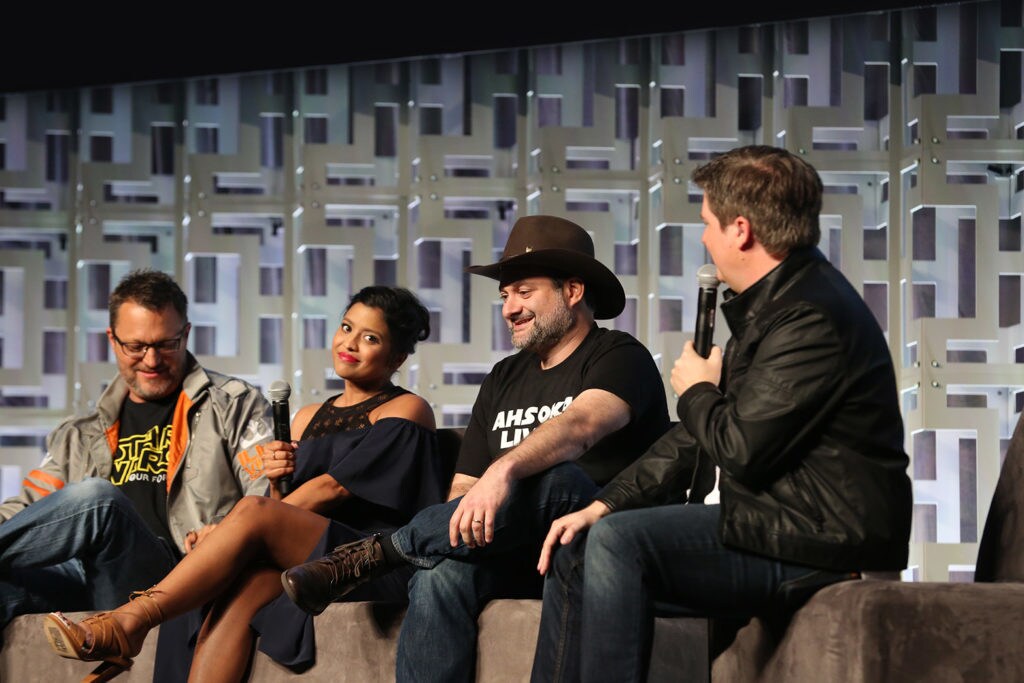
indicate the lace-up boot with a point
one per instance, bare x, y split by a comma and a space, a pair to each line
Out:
314, 585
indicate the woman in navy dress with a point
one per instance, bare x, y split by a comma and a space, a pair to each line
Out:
366, 461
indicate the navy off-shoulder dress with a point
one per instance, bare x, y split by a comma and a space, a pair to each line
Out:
392, 468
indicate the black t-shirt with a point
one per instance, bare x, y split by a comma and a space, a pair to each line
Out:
140, 464
517, 395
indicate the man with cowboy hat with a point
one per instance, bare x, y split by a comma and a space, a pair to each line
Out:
551, 424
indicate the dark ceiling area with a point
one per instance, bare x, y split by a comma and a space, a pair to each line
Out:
101, 50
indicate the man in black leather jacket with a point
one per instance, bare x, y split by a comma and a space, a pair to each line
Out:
801, 417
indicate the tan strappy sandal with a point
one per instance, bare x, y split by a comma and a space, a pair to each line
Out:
109, 642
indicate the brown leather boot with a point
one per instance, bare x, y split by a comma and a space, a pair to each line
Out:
314, 585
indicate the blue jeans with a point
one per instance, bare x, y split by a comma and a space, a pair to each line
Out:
83, 547
438, 639
602, 589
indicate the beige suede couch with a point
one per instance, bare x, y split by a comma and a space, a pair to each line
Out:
867, 631
357, 642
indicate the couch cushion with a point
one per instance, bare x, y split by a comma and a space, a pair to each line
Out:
27, 655
357, 641
885, 632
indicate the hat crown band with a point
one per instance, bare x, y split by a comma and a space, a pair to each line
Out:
541, 233
556, 247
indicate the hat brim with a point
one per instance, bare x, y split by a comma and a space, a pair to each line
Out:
606, 291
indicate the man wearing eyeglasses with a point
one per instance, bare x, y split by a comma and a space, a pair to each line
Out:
125, 491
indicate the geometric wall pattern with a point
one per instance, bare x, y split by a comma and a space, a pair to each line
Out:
273, 196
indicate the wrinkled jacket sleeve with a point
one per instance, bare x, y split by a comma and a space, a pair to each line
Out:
661, 475
50, 476
248, 425
753, 431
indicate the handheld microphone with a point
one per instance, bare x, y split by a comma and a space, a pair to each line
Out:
706, 302
279, 392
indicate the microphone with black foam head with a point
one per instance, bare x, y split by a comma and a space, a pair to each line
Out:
704, 332
279, 392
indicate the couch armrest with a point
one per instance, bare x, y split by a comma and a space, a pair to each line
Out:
887, 631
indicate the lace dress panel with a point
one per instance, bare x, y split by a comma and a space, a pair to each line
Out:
330, 419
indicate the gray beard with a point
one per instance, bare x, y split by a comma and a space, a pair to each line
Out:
546, 334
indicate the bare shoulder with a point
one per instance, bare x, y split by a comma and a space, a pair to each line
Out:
302, 418
412, 407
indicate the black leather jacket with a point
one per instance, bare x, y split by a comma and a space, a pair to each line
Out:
805, 428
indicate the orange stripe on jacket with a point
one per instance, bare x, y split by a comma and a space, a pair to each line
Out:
113, 436
57, 484
44, 477
179, 437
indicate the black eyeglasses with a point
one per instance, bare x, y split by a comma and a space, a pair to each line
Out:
138, 350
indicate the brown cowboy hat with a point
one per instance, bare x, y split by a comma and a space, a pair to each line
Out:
554, 247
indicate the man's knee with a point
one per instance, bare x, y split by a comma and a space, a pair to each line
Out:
568, 475
93, 490
448, 580
606, 539
567, 560
561, 489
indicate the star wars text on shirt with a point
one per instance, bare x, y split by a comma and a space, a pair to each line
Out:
142, 457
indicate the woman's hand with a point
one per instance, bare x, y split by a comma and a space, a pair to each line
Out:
564, 529
278, 461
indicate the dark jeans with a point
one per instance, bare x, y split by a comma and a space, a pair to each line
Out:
438, 639
83, 547
602, 589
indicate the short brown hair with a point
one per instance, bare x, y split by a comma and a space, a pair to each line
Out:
154, 290
777, 191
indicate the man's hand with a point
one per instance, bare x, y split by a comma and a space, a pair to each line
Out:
194, 538
590, 417
690, 368
473, 519
564, 529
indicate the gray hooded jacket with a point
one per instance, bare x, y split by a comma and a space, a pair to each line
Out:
219, 426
